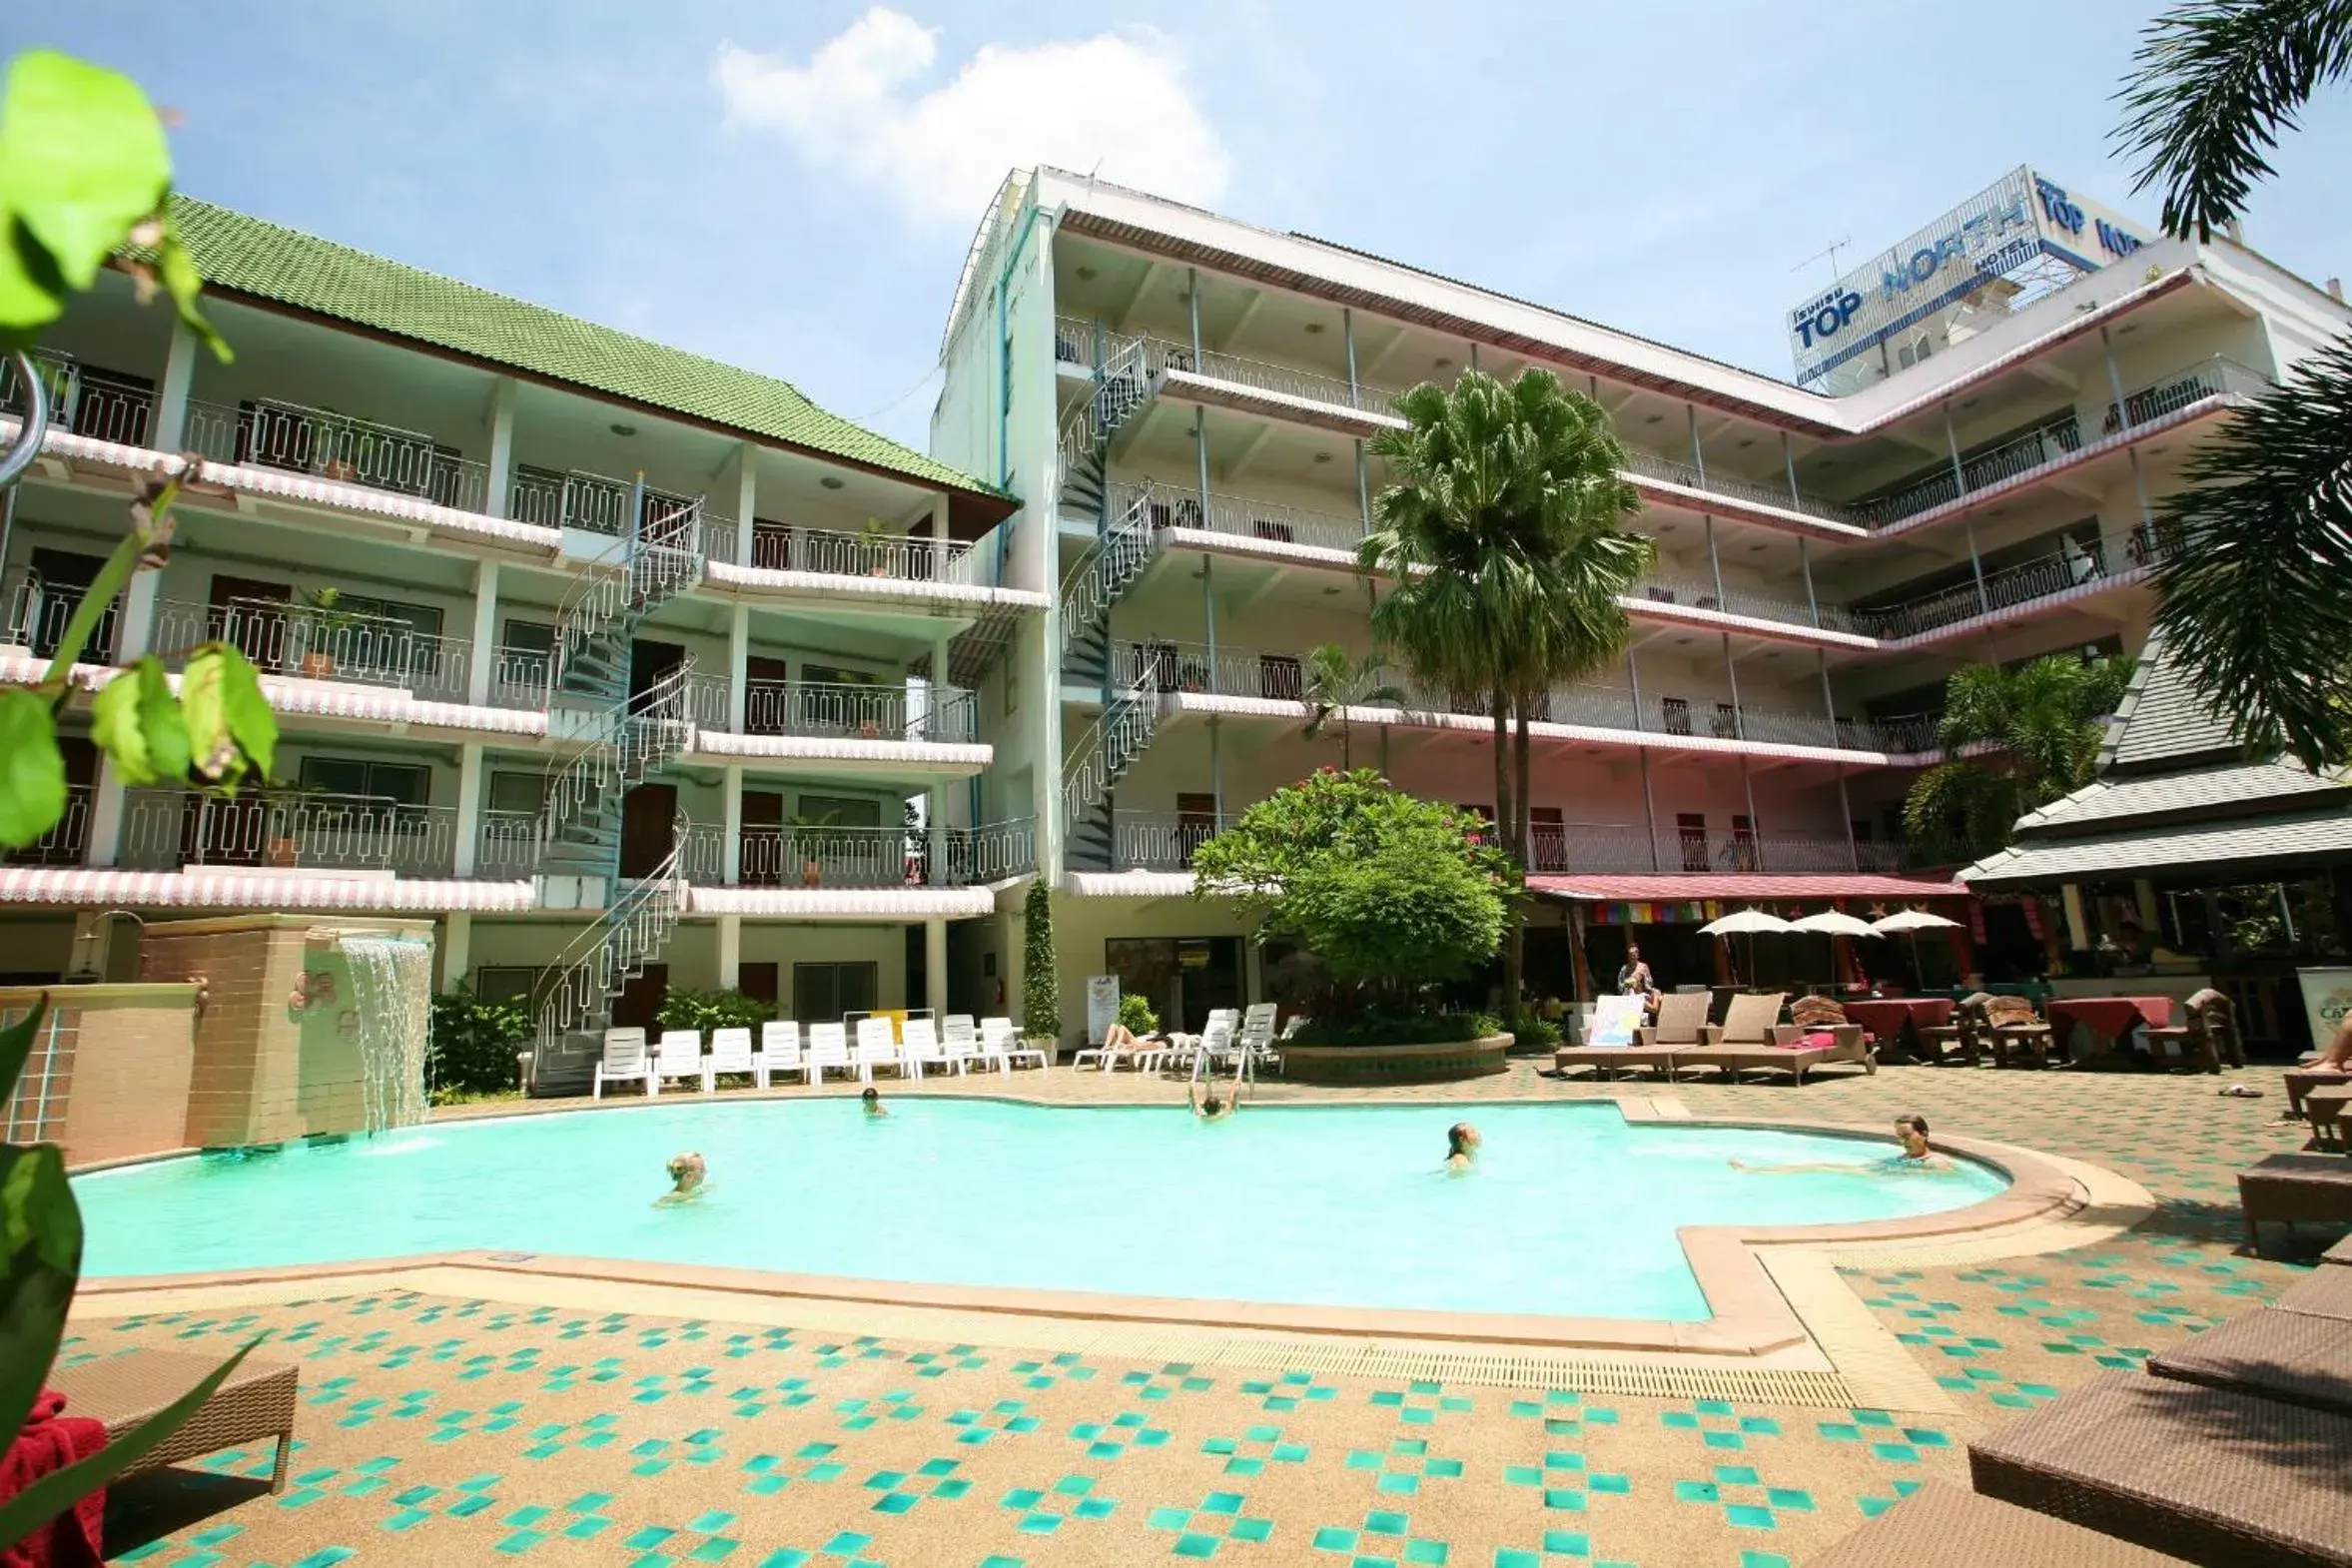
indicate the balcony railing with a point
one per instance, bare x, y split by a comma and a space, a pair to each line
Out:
914, 557
323, 644
507, 844
829, 856
1162, 840
1623, 849
1715, 481
1738, 601
168, 829
1244, 519
599, 504
836, 709
38, 613
84, 401
334, 447
521, 677
66, 842
1074, 339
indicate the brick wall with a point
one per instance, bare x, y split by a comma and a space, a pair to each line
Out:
109, 1072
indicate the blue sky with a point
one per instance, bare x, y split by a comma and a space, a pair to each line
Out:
792, 186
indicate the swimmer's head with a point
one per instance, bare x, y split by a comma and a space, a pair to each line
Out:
1913, 1123
1461, 1138
872, 1096
1212, 1104
686, 1170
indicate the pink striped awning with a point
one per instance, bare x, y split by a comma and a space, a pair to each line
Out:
79, 887
916, 903
1668, 885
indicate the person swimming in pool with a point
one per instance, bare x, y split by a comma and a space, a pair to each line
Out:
1910, 1129
872, 1101
687, 1184
1209, 1107
1462, 1148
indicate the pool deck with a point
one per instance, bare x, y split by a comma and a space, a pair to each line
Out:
462, 1408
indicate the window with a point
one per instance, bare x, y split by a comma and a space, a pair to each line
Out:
822, 993
400, 782
518, 792
1279, 679
846, 811
1727, 722
529, 636
502, 983
1678, 714
410, 644
1690, 828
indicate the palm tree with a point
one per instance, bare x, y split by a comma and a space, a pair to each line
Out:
2013, 741
1498, 537
2251, 595
1332, 683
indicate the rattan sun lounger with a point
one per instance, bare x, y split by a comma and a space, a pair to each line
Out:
2341, 1253
1943, 1526
2211, 1476
2327, 1293
2293, 1356
2288, 1187
256, 1402
1681, 1018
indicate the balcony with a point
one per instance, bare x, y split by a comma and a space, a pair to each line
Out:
64, 844
1175, 668
829, 856
947, 715
269, 830
318, 643
1625, 848
1162, 840
1238, 516
1074, 342
2040, 578
870, 552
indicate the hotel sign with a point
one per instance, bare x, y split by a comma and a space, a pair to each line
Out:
2020, 217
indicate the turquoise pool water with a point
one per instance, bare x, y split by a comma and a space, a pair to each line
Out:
1570, 1210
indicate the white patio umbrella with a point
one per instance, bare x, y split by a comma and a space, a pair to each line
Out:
1748, 922
1912, 921
1835, 923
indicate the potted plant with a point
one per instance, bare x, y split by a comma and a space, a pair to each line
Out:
281, 808
812, 868
325, 619
332, 434
874, 548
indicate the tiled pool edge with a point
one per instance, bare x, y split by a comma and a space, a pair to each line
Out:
1755, 1316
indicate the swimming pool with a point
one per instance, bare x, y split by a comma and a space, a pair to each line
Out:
1572, 1212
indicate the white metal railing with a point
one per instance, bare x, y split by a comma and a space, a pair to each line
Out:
85, 400
581, 984
66, 842
601, 503
915, 557
507, 845
1095, 583
326, 444
521, 677
1623, 848
1172, 506
1738, 601
1120, 384
1106, 751
1160, 840
319, 643
827, 855
165, 828
1074, 339
38, 613
896, 711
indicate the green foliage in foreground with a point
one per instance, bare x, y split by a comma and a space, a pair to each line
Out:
709, 1010
472, 1046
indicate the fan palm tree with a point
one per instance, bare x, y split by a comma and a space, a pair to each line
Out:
1332, 683
2013, 741
1498, 537
2251, 595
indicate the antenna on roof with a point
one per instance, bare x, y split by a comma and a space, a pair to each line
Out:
1835, 246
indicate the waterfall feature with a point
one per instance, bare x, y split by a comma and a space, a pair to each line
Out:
391, 987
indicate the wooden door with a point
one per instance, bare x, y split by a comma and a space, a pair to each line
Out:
762, 857
645, 828
639, 1004
1547, 839
650, 661
758, 981
241, 618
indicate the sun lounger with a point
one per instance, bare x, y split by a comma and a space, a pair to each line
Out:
920, 1048
2207, 1038
680, 1055
959, 1037
1108, 1058
2326, 1292
2299, 1357
1751, 1038
2325, 1108
1945, 1526
254, 1404
2302, 1080
2009, 1024
829, 1051
2288, 1187
1681, 1016
997, 1039
877, 1048
2209, 1474
779, 1042
623, 1062
730, 1052
2341, 1253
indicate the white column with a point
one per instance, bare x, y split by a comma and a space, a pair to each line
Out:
731, 842
731, 952
469, 785
936, 833
171, 398
942, 653
103, 844
135, 628
738, 668
746, 499
457, 949
2078, 922
485, 633
938, 536
935, 966
499, 488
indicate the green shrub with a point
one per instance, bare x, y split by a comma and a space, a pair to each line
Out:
709, 1010
471, 1045
1137, 1014
1535, 1033
1400, 1029
1040, 984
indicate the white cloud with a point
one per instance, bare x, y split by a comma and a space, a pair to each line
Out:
1117, 103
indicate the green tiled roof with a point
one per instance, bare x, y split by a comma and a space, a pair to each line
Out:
252, 257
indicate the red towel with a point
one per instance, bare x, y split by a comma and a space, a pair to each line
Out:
49, 1441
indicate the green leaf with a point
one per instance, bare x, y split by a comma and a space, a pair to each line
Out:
177, 271
82, 159
137, 722
251, 723
40, 1258
31, 293
16, 1045
32, 770
204, 704
59, 1490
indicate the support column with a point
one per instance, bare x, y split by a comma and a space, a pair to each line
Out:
731, 952
1976, 566
936, 729
935, 966
1217, 770
469, 791
170, 398
935, 835
731, 833
2115, 377
1209, 615
1845, 815
939, 537
1713, 558
1829, 700
2077, 923
2147, 516
1698, 452
1348, 334
1789, 466
102, 846
1805, 565
1755, 823
1193, 312
456, 950
1363, 490
1649, 809
746, 499
1731, 675
1633, 677
1201, 458
485, 634
738, 668
498, 487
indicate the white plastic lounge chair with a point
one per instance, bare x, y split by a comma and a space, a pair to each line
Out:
680, 1055
999, 1039
877, 1048
829, 1051
918, 1048
624, 1062
1108, 1059
960, 1039
730, 1052
779, 1042
1217, 1042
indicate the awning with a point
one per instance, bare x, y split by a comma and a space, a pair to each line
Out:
1666, 887
857, 904
86, 887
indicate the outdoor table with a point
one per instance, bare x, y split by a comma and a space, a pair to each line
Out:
1895, 1020
2107, 1020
